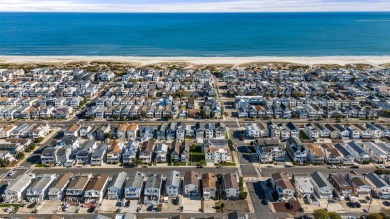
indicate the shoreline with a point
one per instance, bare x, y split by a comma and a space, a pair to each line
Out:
339, 60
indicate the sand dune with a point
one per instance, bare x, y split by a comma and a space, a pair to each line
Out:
340, 60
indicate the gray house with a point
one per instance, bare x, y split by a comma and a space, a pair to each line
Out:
172, 185
115, 188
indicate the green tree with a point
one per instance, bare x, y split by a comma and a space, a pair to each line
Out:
31, 146
202, 162
334, 215
243, 195
20, 155
38, 140
143, 113
375, 216
321, 214
222, 206
107, 135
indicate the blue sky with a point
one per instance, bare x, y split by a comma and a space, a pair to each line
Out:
193, 5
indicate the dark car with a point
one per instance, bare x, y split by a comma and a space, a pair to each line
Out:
306, 217
91, 209
352, 204
354, 167
264, 202
358, 205
386, 203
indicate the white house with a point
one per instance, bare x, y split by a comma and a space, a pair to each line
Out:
252, 130
172, 185
14, 191
283, 186
379, 186
38, 189
360, 154
361, 187
230, 185
377, 154
217, 154
322, 187
296, 150
303, 185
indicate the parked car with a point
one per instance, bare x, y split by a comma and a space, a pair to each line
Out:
352, 204
66, 207
12, 173
358, 205
265, 202
354, 167
332, 167
386, 203
340, 167
380, 167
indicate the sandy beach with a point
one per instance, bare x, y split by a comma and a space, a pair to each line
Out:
339, 60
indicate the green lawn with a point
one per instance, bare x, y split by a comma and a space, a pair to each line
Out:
196, 157
226, 164
303, 136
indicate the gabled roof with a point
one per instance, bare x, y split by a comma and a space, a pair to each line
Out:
97, 182
118, 180
209, 180
173, 178
191, 177
230, 180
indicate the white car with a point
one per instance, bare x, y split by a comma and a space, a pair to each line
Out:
12, 173
340, 167
333, 167
380, 167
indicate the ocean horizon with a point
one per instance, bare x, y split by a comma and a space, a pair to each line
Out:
195, 34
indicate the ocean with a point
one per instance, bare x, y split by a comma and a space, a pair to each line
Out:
195, 34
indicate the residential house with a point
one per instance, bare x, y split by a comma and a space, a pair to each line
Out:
322, 188
377, 154
152, 191
215, 154
361, 187
283, 186
132, 130
14, 191
332, 155
76, 187
57, 192
220, 130
341, 185
296, 150
315, 153
39, 188
104, 129
360, 154
380, 188
303, 185
73, 130
347, 156
209, 181
134, 186
230, 185
114, 154
115, 188
173, 182
161, 153
122, 130
146, 152
252, 130
95, 189
191, 183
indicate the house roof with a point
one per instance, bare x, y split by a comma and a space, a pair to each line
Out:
153, 181
209, 180
173, 178
191, 177
41, 182
281, 179
147, 146
320, 180
62, 180
118, 180
376, 180
79, 182
137, 181
123, 127
230, 180
340, 181
132, 127
359, 181
97, 182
